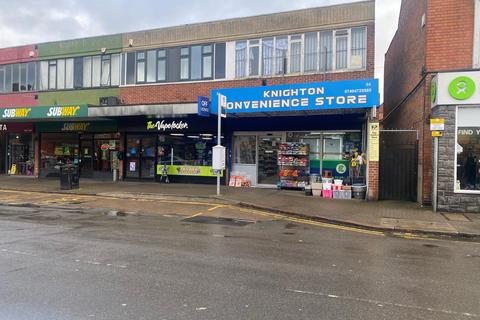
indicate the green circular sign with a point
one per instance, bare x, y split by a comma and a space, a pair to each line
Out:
433, 91
341, 168
461, 88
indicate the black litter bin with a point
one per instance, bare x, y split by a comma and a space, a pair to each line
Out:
69, 177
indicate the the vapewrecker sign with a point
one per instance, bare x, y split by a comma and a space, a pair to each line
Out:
162, 125
45, 112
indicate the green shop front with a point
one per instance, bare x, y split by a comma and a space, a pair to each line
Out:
19, 138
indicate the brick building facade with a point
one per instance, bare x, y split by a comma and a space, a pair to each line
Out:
133, 92
433, 36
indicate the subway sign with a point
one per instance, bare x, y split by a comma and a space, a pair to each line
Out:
45, 112
313, 96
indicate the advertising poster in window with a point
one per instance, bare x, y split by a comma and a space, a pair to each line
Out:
374, 141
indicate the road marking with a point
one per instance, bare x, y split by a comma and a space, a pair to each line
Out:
311, 222
216, 207
383, 303
195, 215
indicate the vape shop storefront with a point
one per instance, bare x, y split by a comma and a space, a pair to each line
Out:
287, 136
456, 104
92, 145
177, 148
17, 156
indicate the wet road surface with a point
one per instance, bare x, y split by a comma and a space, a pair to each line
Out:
197, 261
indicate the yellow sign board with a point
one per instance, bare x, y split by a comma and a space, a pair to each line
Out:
437, 133
437, 124
373, 141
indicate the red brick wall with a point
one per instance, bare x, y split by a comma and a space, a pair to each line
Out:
406, 55
450, 34
445, 43
189, 92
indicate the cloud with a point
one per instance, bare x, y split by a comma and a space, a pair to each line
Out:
34, 21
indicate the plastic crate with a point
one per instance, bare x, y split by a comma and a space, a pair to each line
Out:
317, 192
342, 194
327, 193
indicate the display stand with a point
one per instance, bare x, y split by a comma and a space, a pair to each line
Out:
294, 165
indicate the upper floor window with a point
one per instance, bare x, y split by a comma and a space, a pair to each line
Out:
18, 77
184, 63
329, 50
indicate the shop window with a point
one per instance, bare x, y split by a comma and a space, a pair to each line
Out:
161, 65
207, 64
105, 78
190, 150
151, 65
244, 151
15, 78
468, 150
78, 73
115, 69
60, 74
326, 50
341, 48
87, 72
184, 63
281, 49
267, 56
253, 57
52, 74
295, 53
31, 76
21, 155
2, 79
241, 59
8, 78
57, 149
130, 68
96, 71
23, 77
358, 56
196, 62
311, 52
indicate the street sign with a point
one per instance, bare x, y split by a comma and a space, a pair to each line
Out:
223, 105
437, 133
437, 124
203, 106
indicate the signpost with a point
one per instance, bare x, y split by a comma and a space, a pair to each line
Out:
218, 154
437, 126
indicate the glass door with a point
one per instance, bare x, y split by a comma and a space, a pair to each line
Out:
86, 158
267, 159
140, 157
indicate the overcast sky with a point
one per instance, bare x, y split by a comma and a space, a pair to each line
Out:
33, 21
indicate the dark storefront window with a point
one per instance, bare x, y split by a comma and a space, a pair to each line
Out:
20, 154
468, 149
190, 150
57, 149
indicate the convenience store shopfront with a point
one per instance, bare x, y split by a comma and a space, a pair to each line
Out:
330, 118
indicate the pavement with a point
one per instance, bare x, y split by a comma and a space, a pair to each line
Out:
390, 216
73, 263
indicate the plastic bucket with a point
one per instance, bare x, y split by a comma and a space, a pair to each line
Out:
359, 191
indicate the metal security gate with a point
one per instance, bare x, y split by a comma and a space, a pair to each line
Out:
398, 165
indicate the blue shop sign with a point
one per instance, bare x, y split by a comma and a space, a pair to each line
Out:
203, 106
347, 94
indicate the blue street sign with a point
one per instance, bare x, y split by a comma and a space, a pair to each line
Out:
203, 106
346, 94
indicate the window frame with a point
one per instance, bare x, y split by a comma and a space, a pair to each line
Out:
348, 50
161, 59
188, 57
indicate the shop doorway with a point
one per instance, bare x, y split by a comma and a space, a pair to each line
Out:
398, 165
267, 159
140, 157
86, 157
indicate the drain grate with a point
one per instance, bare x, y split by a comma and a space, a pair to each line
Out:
220, 221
